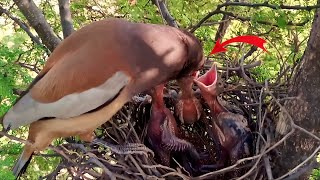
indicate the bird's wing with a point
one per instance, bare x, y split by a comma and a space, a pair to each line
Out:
170, 141
73, 86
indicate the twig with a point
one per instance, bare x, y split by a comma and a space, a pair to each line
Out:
256, 163
267, 167
157, 166
301, 171
301, 164
2, 133
37, 20
137, 166
23, 26
176, 174
229, 168
106, 170
247, 66
254, 5
65, 17
293, 125
165, 13
272, 6
244, 76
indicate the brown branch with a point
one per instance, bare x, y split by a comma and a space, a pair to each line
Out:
247, 66
29, 66
241, 18
291, 121
301, 164
195, 27
37, 20
214, 23
222, 29
93, 159
65, 17
272, 6
244, 75
165, 13
2, 133
302, 171
230, 168
268, 167
244, 4
22, 26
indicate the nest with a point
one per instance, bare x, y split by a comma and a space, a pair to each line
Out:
121, 151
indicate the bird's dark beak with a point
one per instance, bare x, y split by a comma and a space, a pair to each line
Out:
207, 82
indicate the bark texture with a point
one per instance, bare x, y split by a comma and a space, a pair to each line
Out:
22, 25
65, 17
165, 12
223, 26
305, 110
38, 22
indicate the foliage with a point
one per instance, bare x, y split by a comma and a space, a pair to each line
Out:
286, 45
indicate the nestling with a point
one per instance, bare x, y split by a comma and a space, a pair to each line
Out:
230, 130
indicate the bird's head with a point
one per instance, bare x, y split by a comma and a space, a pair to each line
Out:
195, 58
207, 84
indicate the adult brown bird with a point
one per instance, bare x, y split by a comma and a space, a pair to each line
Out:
93, 73
228, 128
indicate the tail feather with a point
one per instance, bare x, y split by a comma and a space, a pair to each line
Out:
22, 164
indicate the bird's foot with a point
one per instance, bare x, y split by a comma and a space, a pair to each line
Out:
129, 148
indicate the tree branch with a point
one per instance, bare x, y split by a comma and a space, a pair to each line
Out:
165, 13
257, 5
272, 6
65, 17
22, 26
222, 29
262, 22
38, 22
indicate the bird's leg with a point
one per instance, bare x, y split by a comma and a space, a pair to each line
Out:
129, 148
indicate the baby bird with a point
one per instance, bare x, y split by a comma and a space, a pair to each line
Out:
229, 129
162, 130
188, 108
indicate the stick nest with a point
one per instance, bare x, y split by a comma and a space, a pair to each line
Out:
106, 158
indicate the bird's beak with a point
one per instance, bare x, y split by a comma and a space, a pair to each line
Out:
207, 82
195, 74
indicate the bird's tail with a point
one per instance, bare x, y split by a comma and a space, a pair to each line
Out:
22, 164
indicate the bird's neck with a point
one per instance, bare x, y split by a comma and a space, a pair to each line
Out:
215, 106
186, 91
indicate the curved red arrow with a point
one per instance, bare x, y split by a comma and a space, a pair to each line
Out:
254, 40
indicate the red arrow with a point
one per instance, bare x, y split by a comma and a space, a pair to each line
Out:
254, 40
